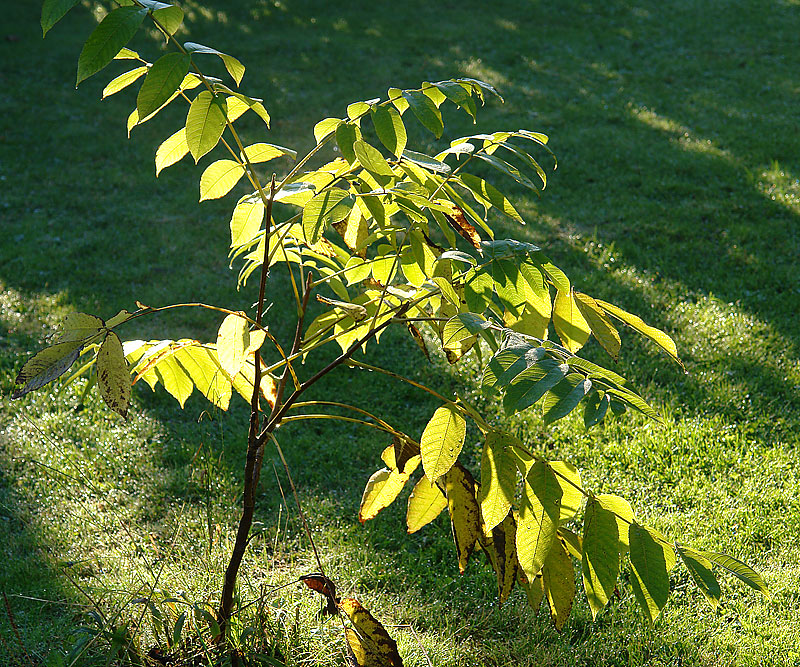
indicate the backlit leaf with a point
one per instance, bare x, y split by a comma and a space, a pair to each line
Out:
623, 515
570, 325
205, 123
498, 480
163, 79
381, 491
174, 378
123, 81
390, 129
46, 365
442, 441
372, 160
602, 329
326, 127
500, 546
558, 578
369, 643
171, 150
113, 378
234, 343
425, 503
113, 32
656, 335
203, 367
569, 479
332, 205
219, 178
465, 515
651, 561
263, 152
234, 67
246, 221
169, 17
538, 518
491, 194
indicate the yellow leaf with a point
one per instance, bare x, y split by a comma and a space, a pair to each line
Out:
172, 150
569, 479
442, 441
498, 479
605, 332
370, 644
233, 341
425, 503
538, 518
570, 325
203, 367
381, 491
500, 547
113, 377
219, 178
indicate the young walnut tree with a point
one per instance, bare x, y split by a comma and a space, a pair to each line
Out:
387, 236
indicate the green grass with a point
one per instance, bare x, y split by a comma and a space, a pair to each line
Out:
676, 196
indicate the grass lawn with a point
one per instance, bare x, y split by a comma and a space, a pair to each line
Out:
677, 196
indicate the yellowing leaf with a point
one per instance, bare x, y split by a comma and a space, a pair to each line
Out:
651, 561
329, 206
656, 335
263, 152
538, 518
46, 365
369, 643
203, 367
174, 378
425, 503
442, 441
558, 578
123, 81
465, 516
602, 329
113, 378
570, 325
325, 128
498, 479
569, 479
172, 150
219, 178
381, 491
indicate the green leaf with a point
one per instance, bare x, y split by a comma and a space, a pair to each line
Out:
558, 578
700, 569
114, 31
570, 325
538, 518
163, 79
528, 387
234, 67
123, 81
327, 207
656, 335
205, 123
53, 11
459, 96
425, 503
372, 160
120, 318
346, 135
596, 408
80, 327
426, 161
442, 441
602, 329
739, 569
113, 378
171, 150
623, 515
46, 365
390, 129
169, 16
487, 192
651, 561
509, 170
564, 397
219, 178
498, 479
600, 564
425, 110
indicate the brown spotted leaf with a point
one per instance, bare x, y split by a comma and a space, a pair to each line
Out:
465, 514
325, 587
458, 221
500, 548
419, 340
46, 365
369, 643
113, 377
558, 577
